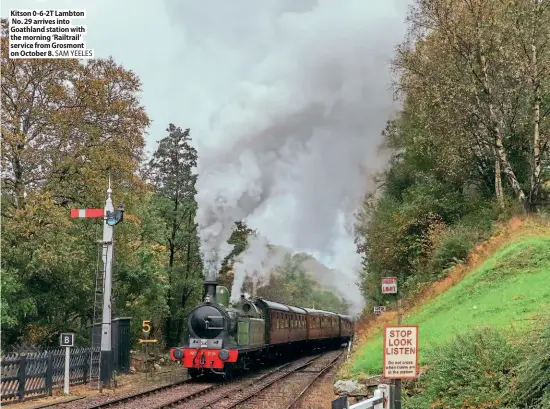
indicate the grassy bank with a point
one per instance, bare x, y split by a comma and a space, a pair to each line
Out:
509, 290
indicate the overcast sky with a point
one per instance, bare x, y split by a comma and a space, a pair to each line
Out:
283, 97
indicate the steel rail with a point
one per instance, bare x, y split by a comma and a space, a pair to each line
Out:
50, 404
326, 368
139, 395
186, 398
264, 387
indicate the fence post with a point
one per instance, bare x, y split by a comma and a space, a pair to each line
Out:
49, 373
22, 376
86, 365
386, 393
340, 403
378, 394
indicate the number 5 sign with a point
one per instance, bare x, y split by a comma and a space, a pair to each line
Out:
146, 326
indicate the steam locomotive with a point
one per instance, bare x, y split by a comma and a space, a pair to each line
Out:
223, 339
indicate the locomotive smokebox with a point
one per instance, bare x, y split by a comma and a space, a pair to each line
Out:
210, 289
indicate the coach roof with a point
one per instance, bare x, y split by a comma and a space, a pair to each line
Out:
320, 312
282, 307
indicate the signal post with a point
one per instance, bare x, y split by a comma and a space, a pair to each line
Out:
110, 217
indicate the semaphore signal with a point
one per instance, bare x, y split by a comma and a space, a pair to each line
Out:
111, 217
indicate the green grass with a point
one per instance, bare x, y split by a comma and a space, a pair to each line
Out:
505, 292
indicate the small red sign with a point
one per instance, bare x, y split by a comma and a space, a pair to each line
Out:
389, 285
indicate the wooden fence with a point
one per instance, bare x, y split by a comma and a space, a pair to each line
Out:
35, 374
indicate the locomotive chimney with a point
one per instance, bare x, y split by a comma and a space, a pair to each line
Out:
210, 289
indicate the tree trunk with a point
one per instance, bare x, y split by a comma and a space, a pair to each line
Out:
497, 132
498, 183
19, 184
172, 244
535, 177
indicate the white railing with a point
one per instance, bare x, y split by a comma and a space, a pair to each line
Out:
380, 400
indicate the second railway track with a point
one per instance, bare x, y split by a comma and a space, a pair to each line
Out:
286, 393
251, 391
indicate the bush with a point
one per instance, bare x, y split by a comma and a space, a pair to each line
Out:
531, 388
472, 371
458, 240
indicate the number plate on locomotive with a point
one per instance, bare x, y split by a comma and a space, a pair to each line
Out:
205, 343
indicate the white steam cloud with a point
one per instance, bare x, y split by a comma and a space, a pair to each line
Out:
256, 262
294, 101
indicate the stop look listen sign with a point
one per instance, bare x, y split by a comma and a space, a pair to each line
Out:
401, 352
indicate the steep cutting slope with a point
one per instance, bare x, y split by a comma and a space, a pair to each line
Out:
509, 289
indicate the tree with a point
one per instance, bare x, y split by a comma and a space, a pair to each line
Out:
65, 126
463, 79
171, 173
532, 31
239, 239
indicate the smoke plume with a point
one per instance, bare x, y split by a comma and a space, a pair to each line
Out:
296, 95
257, 261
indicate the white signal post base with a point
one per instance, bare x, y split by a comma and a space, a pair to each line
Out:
67, 370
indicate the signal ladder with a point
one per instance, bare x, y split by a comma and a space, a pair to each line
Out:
95, 353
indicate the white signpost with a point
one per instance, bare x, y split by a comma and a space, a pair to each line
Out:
67, 341
389, 285
379, 309
401, 352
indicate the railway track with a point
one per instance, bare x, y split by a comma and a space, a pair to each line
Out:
286, 393
232, 389
242, 393
202, 395
107, 401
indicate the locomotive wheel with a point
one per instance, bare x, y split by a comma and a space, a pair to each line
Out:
193, 372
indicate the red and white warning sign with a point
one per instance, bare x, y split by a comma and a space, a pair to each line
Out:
401, 352
389, 285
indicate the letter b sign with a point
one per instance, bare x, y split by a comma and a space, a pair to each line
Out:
66, 340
